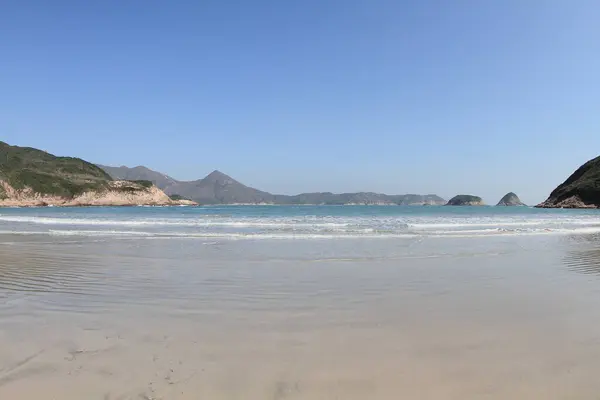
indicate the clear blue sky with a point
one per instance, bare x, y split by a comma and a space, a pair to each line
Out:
444, 97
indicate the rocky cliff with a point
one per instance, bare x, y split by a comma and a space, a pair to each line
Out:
465, 200
580, 190
510, 199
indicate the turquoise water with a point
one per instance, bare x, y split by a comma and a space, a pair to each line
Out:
297, 222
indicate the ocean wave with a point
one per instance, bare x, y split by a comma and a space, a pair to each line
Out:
218, 220
306, 234
164, 225
163, 222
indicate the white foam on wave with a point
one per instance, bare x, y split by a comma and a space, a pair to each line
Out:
531, 232
16, 232
477, 223
315, 235
97, 233
299, 227
179, 235
192, 222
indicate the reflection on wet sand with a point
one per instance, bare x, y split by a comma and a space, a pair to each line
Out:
584, 255
169, 319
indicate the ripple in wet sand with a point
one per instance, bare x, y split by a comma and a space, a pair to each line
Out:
139, 319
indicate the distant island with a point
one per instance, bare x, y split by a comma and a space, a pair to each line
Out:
580, 190
465, 200
510, 199
219, 188
31, 177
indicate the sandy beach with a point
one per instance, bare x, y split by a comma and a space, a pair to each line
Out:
455, 318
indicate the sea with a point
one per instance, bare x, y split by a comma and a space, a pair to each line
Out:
299, 302
296, 222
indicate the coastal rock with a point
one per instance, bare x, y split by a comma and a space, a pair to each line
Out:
510, 199
580, 190
123, 193
182, 201
116, 193
569, 202
465, 200
185, 202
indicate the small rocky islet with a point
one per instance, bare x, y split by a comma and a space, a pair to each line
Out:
465, 200
510, 199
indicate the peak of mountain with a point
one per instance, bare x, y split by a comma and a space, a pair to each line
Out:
220, 188
218, 176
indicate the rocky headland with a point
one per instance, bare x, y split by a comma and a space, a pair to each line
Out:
32, 178
580, 190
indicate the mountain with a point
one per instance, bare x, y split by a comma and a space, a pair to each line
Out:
510, 199
139, 173
580, 190
465, 200
360, 198
32, 177
417, 199
218, 188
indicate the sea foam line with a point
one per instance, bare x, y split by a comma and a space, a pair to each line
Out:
308, 222
314, 235
166, 222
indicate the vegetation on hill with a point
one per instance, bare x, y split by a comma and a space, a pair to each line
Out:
45, 173
144, 183
176, 197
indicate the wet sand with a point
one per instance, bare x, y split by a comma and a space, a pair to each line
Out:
485, 318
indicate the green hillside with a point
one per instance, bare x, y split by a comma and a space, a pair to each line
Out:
47, 174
